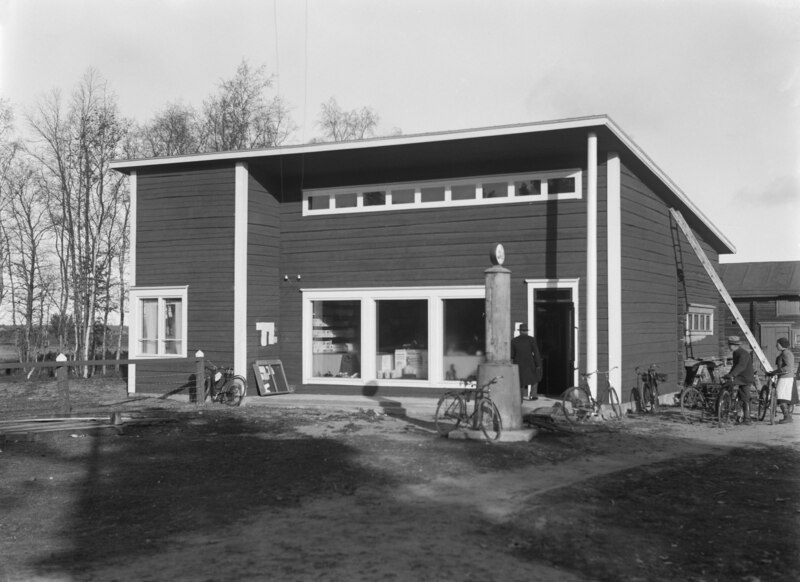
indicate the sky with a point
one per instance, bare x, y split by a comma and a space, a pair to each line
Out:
708, 89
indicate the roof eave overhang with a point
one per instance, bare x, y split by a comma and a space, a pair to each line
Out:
597, 121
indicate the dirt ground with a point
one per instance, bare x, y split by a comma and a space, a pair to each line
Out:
268, 493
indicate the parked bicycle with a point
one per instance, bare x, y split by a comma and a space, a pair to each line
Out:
452, 411
222, 385
644, 397
579, 405
730, 408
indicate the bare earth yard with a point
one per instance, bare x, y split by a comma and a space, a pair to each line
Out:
271, 493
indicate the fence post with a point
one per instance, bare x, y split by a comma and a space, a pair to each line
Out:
62, 379
199, 379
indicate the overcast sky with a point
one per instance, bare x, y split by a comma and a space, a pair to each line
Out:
707, 88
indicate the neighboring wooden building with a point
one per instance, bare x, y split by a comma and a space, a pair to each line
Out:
768, 297
361, 264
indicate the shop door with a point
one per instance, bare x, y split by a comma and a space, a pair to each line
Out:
770, 332
554, 330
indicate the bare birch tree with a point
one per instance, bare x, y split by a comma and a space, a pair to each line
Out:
340, 125
75, 143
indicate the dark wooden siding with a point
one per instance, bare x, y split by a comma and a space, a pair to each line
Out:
661, 275
185, 236
263, 274
429, 247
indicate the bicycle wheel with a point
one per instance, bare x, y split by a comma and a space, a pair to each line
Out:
613, 400
654, 404
763, 403
773, 404
489, 420
576, 403
234, 392
693, 405
725, 410
450, 411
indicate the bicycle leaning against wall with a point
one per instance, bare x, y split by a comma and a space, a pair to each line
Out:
222, 385
579, 405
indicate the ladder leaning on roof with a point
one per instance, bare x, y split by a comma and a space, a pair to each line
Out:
698, 250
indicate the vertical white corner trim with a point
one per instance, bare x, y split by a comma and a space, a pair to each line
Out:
614, 260
591, 261
240, 271
132, 183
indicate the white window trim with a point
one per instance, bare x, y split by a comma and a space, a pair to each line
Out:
448, 186
368, 297
699, 309
573, 286
161, 293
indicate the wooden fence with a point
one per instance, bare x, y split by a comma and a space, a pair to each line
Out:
62, 365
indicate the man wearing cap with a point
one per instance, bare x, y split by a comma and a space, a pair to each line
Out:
525, 354
741, 373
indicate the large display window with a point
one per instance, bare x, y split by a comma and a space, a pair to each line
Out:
418, 336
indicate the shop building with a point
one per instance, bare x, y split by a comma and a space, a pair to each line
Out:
360, 265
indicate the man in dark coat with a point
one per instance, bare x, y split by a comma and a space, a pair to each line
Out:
741, 374
525, 354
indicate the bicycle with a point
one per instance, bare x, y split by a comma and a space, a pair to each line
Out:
645, 395
453, 409
768, 400
222, 385
579, 405
730, 407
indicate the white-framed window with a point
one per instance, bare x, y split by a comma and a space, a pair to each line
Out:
158, 322
699, 321
480, 190
784, 307
419, 336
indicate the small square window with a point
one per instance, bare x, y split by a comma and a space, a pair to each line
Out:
346, 200
463, 192
377, 198
528, 187
405, 196
561, 186
435, 194
495, 190
319, 202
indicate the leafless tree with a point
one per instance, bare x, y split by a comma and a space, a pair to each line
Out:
241, 116
75, 143
340, 125
175, 130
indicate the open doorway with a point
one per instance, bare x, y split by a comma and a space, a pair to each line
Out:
554, 317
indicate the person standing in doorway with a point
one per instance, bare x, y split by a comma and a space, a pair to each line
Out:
525, 354
741, 374
786, 387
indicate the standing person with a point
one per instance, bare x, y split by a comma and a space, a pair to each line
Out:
786, 387
741, 374
525, 354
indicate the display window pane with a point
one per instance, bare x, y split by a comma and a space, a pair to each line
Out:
402, 334
336, 338
495, 190
464, 338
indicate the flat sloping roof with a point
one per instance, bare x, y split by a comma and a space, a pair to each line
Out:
601, 122
771, 279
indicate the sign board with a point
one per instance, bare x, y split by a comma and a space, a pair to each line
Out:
270, 377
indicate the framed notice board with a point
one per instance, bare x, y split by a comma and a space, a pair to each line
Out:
270, 377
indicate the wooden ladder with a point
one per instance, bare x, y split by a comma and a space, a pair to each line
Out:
698, 250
